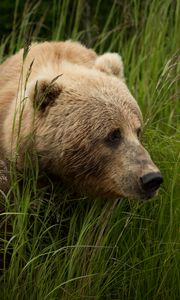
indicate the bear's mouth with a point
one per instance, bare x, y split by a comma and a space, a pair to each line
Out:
149, 195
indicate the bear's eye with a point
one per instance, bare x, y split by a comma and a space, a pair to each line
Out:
138, 132
114, 137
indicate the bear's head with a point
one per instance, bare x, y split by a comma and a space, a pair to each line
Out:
87, 129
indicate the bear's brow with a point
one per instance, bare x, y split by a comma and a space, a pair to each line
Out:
136, 115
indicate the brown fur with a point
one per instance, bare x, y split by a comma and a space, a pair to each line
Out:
86, 102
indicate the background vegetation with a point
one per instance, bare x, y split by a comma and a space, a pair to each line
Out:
54, 246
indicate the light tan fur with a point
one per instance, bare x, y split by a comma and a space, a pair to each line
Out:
69, 135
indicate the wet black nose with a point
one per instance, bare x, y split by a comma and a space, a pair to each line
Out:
151, 181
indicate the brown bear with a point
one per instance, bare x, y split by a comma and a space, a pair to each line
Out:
71, 109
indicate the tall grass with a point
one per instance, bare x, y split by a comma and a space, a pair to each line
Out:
57, 247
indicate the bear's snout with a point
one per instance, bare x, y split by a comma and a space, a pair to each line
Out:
150, 182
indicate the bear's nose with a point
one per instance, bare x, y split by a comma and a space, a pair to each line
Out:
151, 181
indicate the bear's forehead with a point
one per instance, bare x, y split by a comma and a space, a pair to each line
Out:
120, 114
92, 96
114, 103
106, 113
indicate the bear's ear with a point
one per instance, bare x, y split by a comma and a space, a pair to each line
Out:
111, 63
44, 93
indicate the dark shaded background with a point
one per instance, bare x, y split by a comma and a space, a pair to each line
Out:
7, 11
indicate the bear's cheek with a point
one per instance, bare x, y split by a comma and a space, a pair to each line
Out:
95, 169
86, 165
